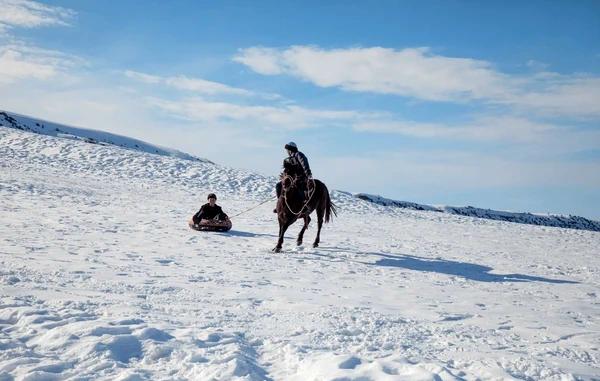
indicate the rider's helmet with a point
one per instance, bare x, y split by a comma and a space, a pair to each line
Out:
211, 195
291, 146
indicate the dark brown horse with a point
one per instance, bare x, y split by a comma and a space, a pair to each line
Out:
292, 204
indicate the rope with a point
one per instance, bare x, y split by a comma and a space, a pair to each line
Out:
254, 207
314, 188
305, 204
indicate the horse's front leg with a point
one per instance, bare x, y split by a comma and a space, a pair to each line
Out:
282, 229
301, 234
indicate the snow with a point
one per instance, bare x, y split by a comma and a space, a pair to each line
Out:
100, 278
38, 126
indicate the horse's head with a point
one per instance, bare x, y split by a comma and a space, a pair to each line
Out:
288, 183
287, 166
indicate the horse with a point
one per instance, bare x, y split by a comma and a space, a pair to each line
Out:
292, 205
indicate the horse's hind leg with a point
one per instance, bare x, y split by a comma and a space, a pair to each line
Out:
301, 234
320, 213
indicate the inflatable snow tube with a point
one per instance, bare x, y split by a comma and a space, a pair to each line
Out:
211, 225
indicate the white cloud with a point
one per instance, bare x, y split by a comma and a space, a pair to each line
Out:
143, 77
262, 60
18, 61
287, 117
537, 65
420, 74
182, 82
203, 86
409, 72
539, 137
506, 128
30, 14
21, 63
534, 137
561, 95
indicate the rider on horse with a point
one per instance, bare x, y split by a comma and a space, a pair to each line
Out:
293, 203
295, 165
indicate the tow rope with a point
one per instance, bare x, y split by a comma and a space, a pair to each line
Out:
254, 207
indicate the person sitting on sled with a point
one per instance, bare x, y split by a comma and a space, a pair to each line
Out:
210, 211
296, 164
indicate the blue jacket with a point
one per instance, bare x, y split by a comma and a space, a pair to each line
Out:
298, 164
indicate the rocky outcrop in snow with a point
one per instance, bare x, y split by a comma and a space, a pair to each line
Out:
571, 222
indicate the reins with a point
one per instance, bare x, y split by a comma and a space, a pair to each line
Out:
311, 194
314, 188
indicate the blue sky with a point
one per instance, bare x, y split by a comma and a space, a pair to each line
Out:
493, 104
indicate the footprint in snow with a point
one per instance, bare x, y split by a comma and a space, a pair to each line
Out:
455, 317
350, 363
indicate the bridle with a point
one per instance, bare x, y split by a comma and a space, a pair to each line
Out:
292, 183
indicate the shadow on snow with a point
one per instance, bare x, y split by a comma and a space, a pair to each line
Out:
465, 270
238, 233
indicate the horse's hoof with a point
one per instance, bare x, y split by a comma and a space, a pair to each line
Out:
277, 249
315, 244
298, 243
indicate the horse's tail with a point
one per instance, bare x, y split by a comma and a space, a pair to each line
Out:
329, 208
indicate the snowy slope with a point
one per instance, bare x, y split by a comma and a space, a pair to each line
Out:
39, 126
100, 278
571, 222
25, 123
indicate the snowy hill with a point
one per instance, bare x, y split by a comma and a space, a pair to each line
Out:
571, 222
38, 126
100, 278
